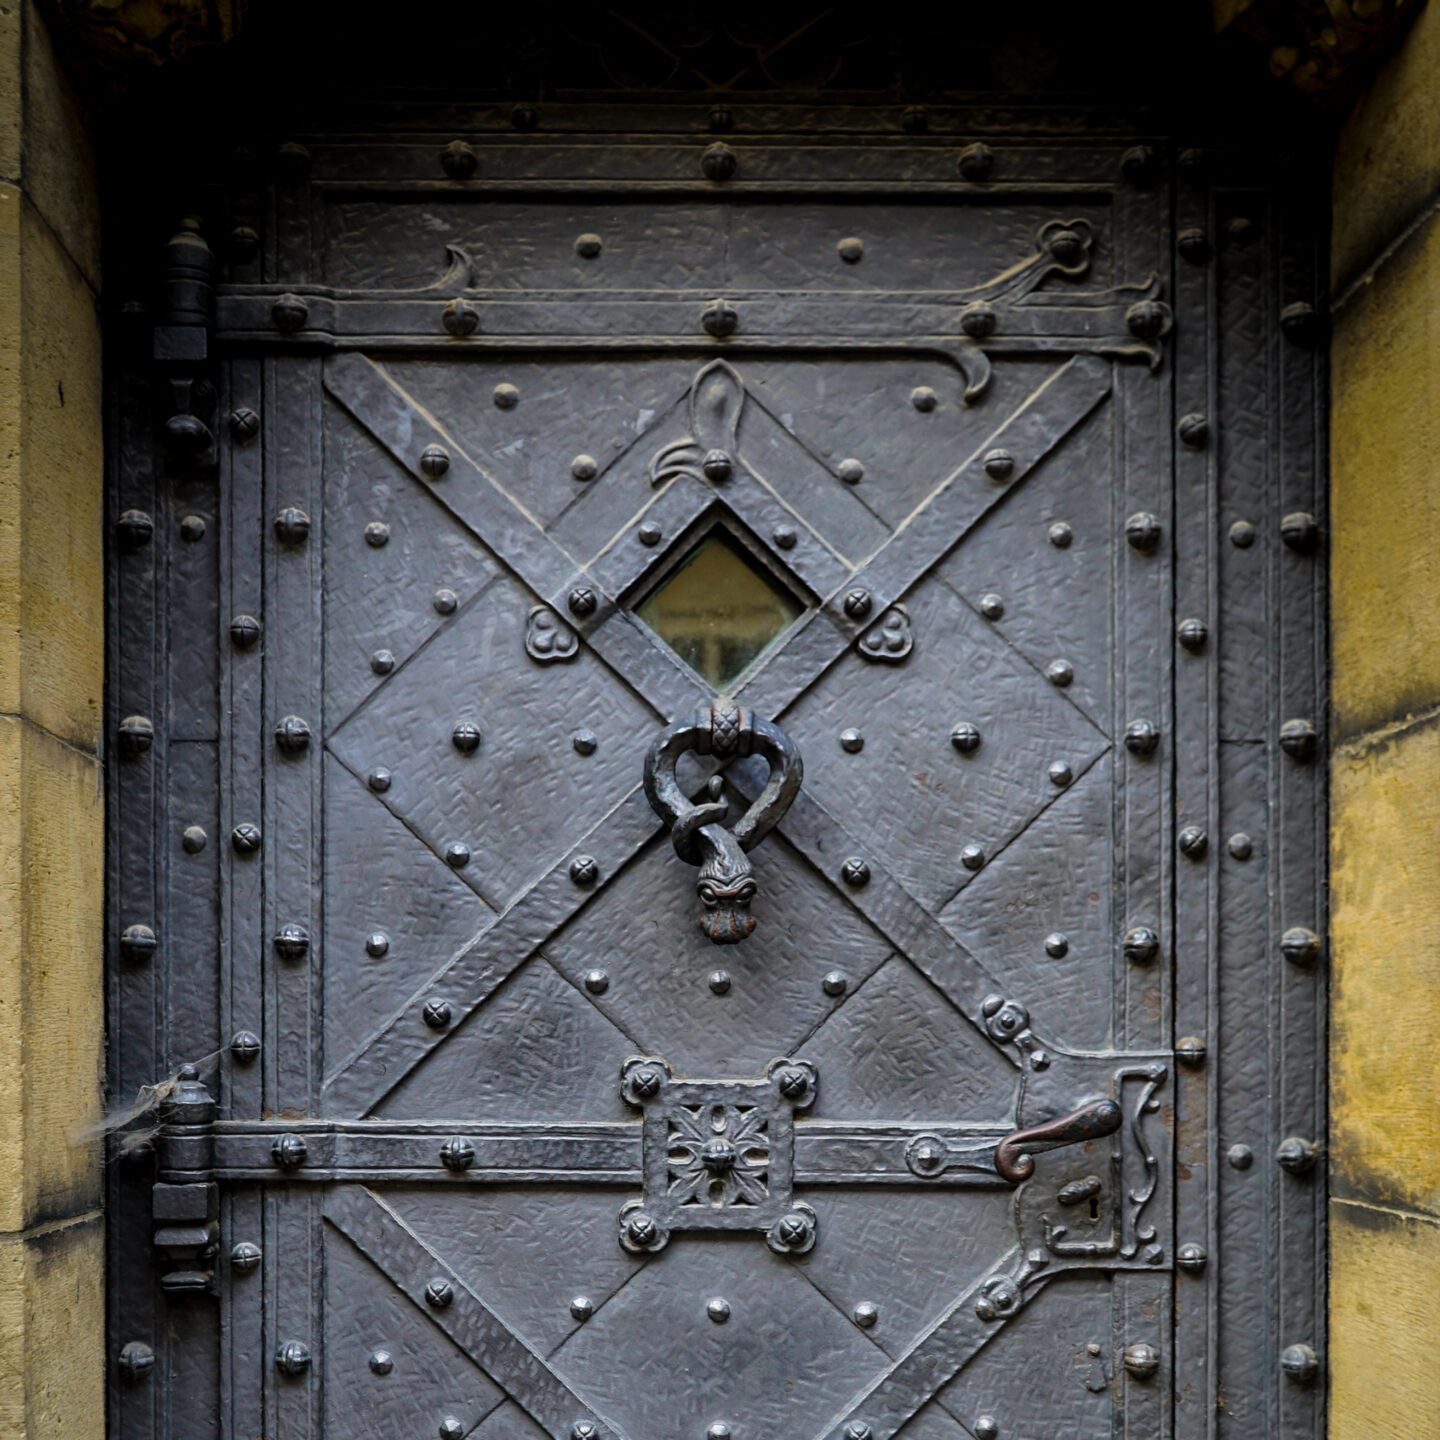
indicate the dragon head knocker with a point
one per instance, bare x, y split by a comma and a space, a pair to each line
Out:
725, 884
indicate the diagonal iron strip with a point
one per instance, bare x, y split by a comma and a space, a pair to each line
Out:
379, 1234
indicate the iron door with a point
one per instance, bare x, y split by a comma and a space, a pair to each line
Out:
753, 701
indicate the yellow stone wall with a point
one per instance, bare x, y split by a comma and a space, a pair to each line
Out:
1385, 776
51, 676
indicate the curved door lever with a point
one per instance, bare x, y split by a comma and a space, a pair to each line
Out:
725, 883
1013, 1157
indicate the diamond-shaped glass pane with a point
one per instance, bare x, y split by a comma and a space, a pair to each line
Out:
719, 609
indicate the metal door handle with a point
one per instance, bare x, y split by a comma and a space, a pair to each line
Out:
725, 883
1093, 1119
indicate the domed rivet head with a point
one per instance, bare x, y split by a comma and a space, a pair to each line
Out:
245, 1257
292, 163
649, 533
439, 1293
466, 737
1300, 1364
137, 735
1300, 323
581, 600
719, 318
1240, 1157
459, 160
642, 1231
377, 534
851, 250
976, 162
865, 1315
1192, 1258
1060, 535
1300, 946
244, 244
719, 162
1194, 431
452, 1428
1299, 740
289, 1151
721, 119
1057, 946
457, 854
292, 942
851, 471
436, 1014
645, 1082
852, 742
289, 314
588, 246
292, 526
445, 602
857, 603
584, 742
986, 1427
1142, 1361
1192, 635
717, 467
992, 607
915, 120
834, 984
194, 839
597, 982
434, 461
999, 465
1240, 846
377, 944
244, 424
505, 396
459, 318
924, 399
1190, 1050
244, 631
1194, 246
1142, 532
1297, 1155
1300, 532
972, 857
718, 1430
1148, 319
719, 982
978, 320
582, 1307
583, 467
379, 780
292, 1358
584, 1430
1060, 773
855, 872
192, 528
1141, 945
1060, 673
292, 735
1066, 245
1193, 842
137, 942
382, 662
457, 1154
1242, 534
134, 529
1140, 165
793, 1081
525, 118
858, 1430
245, 1047
584, 870
965, 738
1141, 737
793, 1230
784, 537
381, 1362
135, 1362
718, 1309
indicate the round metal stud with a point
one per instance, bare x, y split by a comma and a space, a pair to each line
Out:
1194, 246
965, 737
459, 318
1140, 165
1142, 532
377, 944
1300, 532
1300, 1363
784, 537
244, 244
1296, 1155
1242, 534
641, 1230
505, 396
719, 982
597, 982
434, 462
289, 314
466, 737
584, 742
1299, 740
719, 319
437, 1014
717, 467
924, 399
381, 1362
858, 1430
192, 528
1240, 1157
1192, 635
244, 424
1057, 945
851, 250
588, 246
1141, 737
245, 1047
292, 1358
834, 984
719, 162
584, 870
1060, 673
457, 854
584, 1430
992, 607
245, 1257
858, 604
1193, 842
137, 942
134, 529
721, 119
244, 631
1141, 945
851, 471
452, 1428
986, 1427
292, 526
1148, 319
1066, 245
457, 1154
978, 320
1190, 1050
439, 1293
855, 872
915, 120
718, 1309
865, 1315
379, 780
1300, 323
649, 534
1300, 946
582, 1307
382, 662
972, 857
292, 735
852, 742
583, 467
1142, 1361
794, 1232
1194, 431
718, 1430
194, 839
975, 162
1192, 1258
999, 465
459, 160
292, 163
582, 601
1060, 535
1240, 846
137, 735
445, 602
377, 534
292, 942
289, 1151
1060, 773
